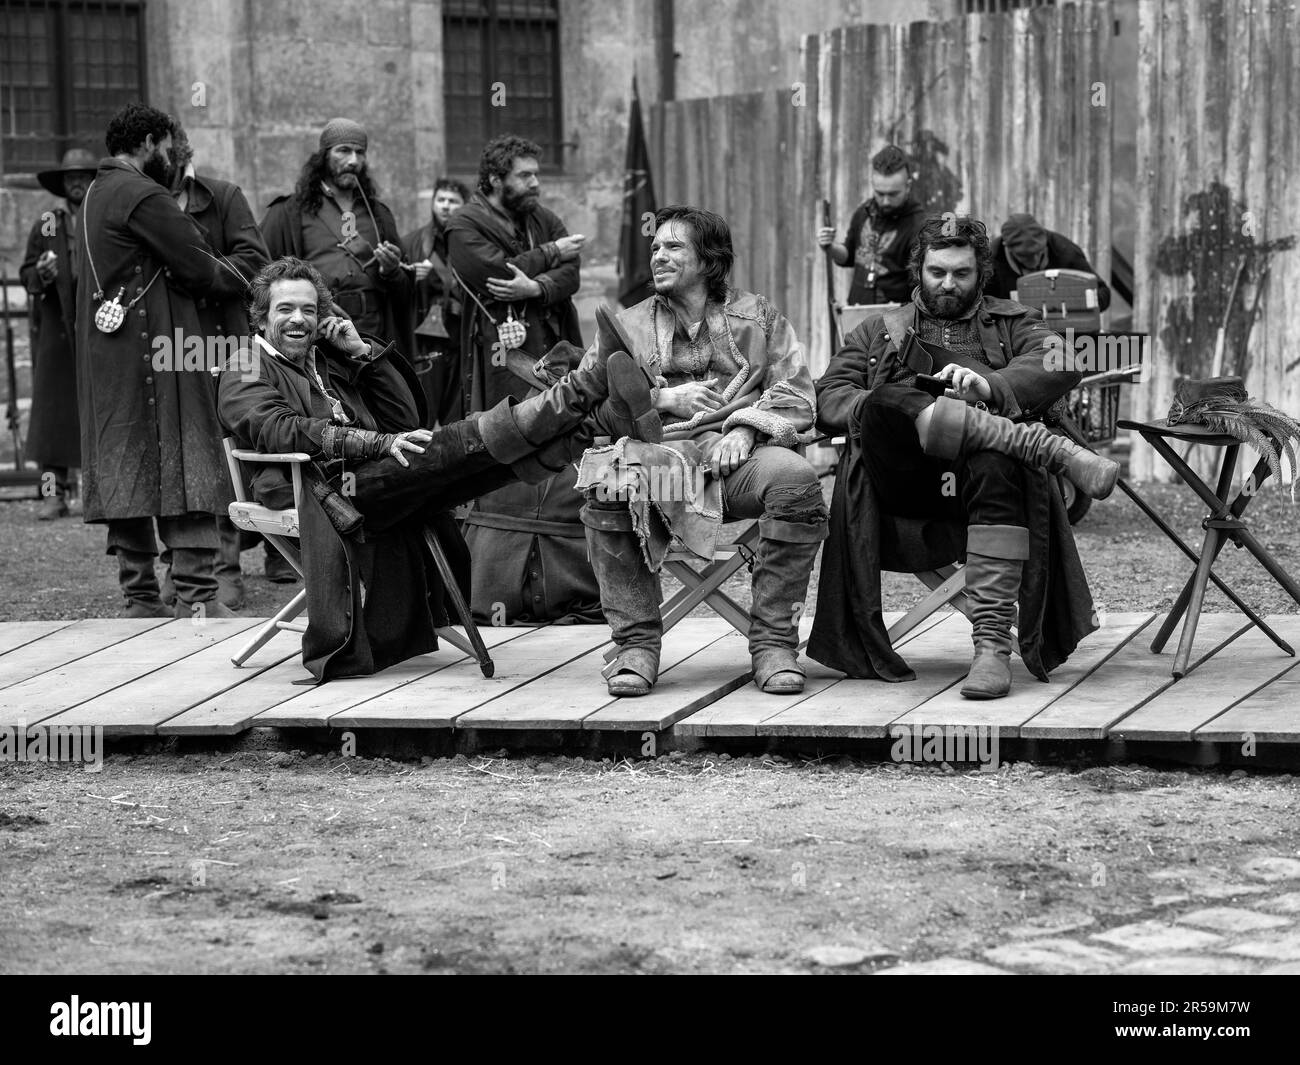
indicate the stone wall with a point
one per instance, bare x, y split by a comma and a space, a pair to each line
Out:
254, 82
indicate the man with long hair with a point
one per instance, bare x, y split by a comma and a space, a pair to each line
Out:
931, 397
335, 220
735, 398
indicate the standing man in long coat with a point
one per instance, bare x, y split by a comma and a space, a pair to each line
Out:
221, 211
49, 274
151, 441
518, 262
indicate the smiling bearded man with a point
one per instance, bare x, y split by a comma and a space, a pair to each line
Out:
319, 387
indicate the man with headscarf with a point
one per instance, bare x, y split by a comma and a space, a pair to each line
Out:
1026, 247
335, 220
49, 272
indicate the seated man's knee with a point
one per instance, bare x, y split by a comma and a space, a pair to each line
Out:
789, 487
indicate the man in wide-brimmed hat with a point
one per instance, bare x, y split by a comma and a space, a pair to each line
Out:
49, 273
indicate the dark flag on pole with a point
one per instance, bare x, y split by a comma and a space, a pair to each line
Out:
638, 201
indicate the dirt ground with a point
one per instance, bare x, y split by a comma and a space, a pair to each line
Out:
250, 856
270, 861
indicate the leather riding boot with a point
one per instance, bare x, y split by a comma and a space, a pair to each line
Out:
140, 585
629, 596
230, 578
957, 427
196, 584
786, 553
995, 558
516, 432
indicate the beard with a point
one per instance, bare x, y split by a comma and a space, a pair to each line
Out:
889, 214
949, 305
345, 177
519, 202
158, 168
291, 347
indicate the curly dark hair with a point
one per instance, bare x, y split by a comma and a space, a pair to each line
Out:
286, 269
128, 128
498, 158
458, 187
952, 231
316, 169
890, 160
712, 239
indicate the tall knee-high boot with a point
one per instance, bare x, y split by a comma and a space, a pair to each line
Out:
995, 558
786, 553
196, 584
139, 584
520, 434
957, 427
629, 596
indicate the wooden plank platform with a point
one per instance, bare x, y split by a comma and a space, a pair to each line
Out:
175, 678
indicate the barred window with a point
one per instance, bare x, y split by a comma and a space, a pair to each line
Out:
502, 75
65, 67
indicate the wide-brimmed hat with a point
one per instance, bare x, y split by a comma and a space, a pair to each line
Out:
1195, 395
75, 161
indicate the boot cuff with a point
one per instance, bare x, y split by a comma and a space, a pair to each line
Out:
501, 435
998, 541
947, 429
603, 519
792, 532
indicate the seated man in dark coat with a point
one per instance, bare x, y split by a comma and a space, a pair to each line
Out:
313, 385
959, 458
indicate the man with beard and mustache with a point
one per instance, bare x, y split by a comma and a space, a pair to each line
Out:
517, 262
881, 233
222, 212
49, 272
965, 458
150, 440
437, 304
373, 595
335, 221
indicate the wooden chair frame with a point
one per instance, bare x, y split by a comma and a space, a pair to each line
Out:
281, 528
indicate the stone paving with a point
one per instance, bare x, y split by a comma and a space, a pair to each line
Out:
1209, 923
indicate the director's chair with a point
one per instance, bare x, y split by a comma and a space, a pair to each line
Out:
281, 528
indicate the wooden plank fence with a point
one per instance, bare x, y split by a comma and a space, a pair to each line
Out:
1217, 211
1000, 113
